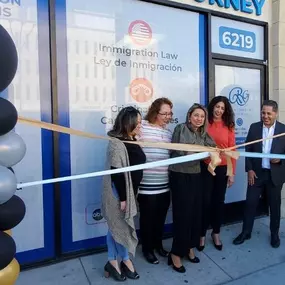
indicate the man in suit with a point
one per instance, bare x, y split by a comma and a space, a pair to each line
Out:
264, 173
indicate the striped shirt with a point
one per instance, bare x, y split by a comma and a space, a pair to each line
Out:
155, 180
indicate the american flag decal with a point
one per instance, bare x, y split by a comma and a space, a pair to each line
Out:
140, 32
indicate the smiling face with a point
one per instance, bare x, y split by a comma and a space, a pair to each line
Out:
219, 110
268, 116
164, 115
197, 118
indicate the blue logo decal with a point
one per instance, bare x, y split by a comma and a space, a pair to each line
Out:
239, 122
239, 96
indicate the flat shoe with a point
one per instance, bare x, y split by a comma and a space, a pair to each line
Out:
194, 260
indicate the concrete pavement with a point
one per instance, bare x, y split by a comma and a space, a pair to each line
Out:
255, 262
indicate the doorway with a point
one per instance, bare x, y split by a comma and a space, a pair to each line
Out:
243, 84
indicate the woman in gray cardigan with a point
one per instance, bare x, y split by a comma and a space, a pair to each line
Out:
119, 194
186, 190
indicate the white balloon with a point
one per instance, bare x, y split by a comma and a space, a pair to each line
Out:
12, 149
8, 184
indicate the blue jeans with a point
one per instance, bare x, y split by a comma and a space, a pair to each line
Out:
115, 249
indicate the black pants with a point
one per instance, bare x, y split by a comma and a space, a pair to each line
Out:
186, 207
153, 211
273, 194
214, 191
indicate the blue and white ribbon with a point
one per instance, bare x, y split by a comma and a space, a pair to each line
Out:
170, 161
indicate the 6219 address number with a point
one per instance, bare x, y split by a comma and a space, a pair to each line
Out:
235, 39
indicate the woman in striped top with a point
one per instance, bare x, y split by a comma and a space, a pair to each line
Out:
154, 195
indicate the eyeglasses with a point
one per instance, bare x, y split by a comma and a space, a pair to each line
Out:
166, 114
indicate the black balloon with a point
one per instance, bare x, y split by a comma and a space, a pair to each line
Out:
12, 213
8, 59
8, 250
8, 116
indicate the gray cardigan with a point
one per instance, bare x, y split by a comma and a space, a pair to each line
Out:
121, 224
184, 134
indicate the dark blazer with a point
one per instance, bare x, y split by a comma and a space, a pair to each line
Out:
278, 147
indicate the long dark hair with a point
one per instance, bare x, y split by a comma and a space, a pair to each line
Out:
125, 123
228, 116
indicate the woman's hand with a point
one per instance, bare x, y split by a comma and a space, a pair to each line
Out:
231, 180
221, 148
221, 152
123, 206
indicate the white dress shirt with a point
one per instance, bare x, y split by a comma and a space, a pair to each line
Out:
266, 145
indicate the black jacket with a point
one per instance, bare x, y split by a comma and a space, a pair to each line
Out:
278, 147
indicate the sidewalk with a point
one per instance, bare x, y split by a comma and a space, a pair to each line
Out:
253, 263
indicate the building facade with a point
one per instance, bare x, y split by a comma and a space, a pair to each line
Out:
81, 62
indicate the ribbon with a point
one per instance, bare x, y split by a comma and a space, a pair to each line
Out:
214, 153
170, 161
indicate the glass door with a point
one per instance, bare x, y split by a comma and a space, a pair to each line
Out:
243, 85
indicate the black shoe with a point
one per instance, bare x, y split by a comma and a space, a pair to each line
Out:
200, 247
162, 252
275, 241
241, 238
130, 274
110, 270
180, 269
217, 246
150, 257
194, 260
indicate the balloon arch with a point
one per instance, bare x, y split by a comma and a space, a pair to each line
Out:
12, 151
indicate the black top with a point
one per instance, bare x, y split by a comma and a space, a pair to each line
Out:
136, 156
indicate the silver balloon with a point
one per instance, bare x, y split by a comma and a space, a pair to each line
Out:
12, 149
8, 184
